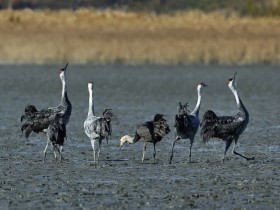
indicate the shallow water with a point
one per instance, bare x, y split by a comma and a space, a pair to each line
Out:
120, 181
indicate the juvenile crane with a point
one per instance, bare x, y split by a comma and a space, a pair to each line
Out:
187, 124
97, 128
151, 131
227, 128
38, 121
56, 133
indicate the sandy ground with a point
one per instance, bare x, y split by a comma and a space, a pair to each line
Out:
121, 181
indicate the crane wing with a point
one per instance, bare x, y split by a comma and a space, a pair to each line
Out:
146, 130
212, 126
37, 121
57, 132
97, 127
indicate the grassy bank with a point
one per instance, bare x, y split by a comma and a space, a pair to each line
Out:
91, 36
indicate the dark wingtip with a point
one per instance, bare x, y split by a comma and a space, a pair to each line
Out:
158, 117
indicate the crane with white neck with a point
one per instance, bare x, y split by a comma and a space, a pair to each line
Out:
38, 121
97, 128
227, 128
187, 124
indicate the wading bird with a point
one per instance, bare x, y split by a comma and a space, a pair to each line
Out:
97, 128
187, 124
151, 131
38, 121
56, 133
227, 128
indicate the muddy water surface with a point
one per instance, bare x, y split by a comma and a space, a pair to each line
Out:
121, 181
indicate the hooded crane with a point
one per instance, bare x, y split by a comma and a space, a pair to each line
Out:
187, 124
97, 128
38, 121
227, 128
56, 133
151, 131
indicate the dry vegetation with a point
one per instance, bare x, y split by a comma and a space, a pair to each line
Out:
92, 36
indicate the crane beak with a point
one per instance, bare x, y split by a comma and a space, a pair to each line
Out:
64, 69
234, 75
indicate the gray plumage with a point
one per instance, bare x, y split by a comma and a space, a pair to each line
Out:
186, 125
227, 128
97, 128
151, 131
56, 134
38, 121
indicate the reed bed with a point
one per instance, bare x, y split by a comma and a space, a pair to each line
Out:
93, 36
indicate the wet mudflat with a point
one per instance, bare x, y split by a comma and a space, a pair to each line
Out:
121, 180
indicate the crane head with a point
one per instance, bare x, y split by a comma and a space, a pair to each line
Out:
200, 86
63, 69
90, 85
232, 79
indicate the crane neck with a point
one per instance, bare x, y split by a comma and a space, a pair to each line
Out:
91, 106
239, 103
197, 106
63, 87
237, 99
63, 81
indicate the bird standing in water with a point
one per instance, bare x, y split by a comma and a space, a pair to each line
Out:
97, 128
38, 121
151, 131
187, 124
227, 128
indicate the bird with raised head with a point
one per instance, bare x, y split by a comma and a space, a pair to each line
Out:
227, 128
38, 121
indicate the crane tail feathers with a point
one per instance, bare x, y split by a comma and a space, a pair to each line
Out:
207, 125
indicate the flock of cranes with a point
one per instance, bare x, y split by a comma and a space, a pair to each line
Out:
53, 122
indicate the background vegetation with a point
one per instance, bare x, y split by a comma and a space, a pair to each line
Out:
121, 35
243, 7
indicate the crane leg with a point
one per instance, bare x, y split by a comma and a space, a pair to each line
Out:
99, 149
144, 150
190, 155
173, 144
236, 153
154, 153
228, 143
54, 147
60, 152
93, 147
45, 151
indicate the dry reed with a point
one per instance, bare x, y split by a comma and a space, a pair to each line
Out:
92, 36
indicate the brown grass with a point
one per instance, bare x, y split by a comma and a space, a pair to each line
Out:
92, 36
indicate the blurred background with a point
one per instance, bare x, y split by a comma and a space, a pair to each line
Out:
245, 7
140, 31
